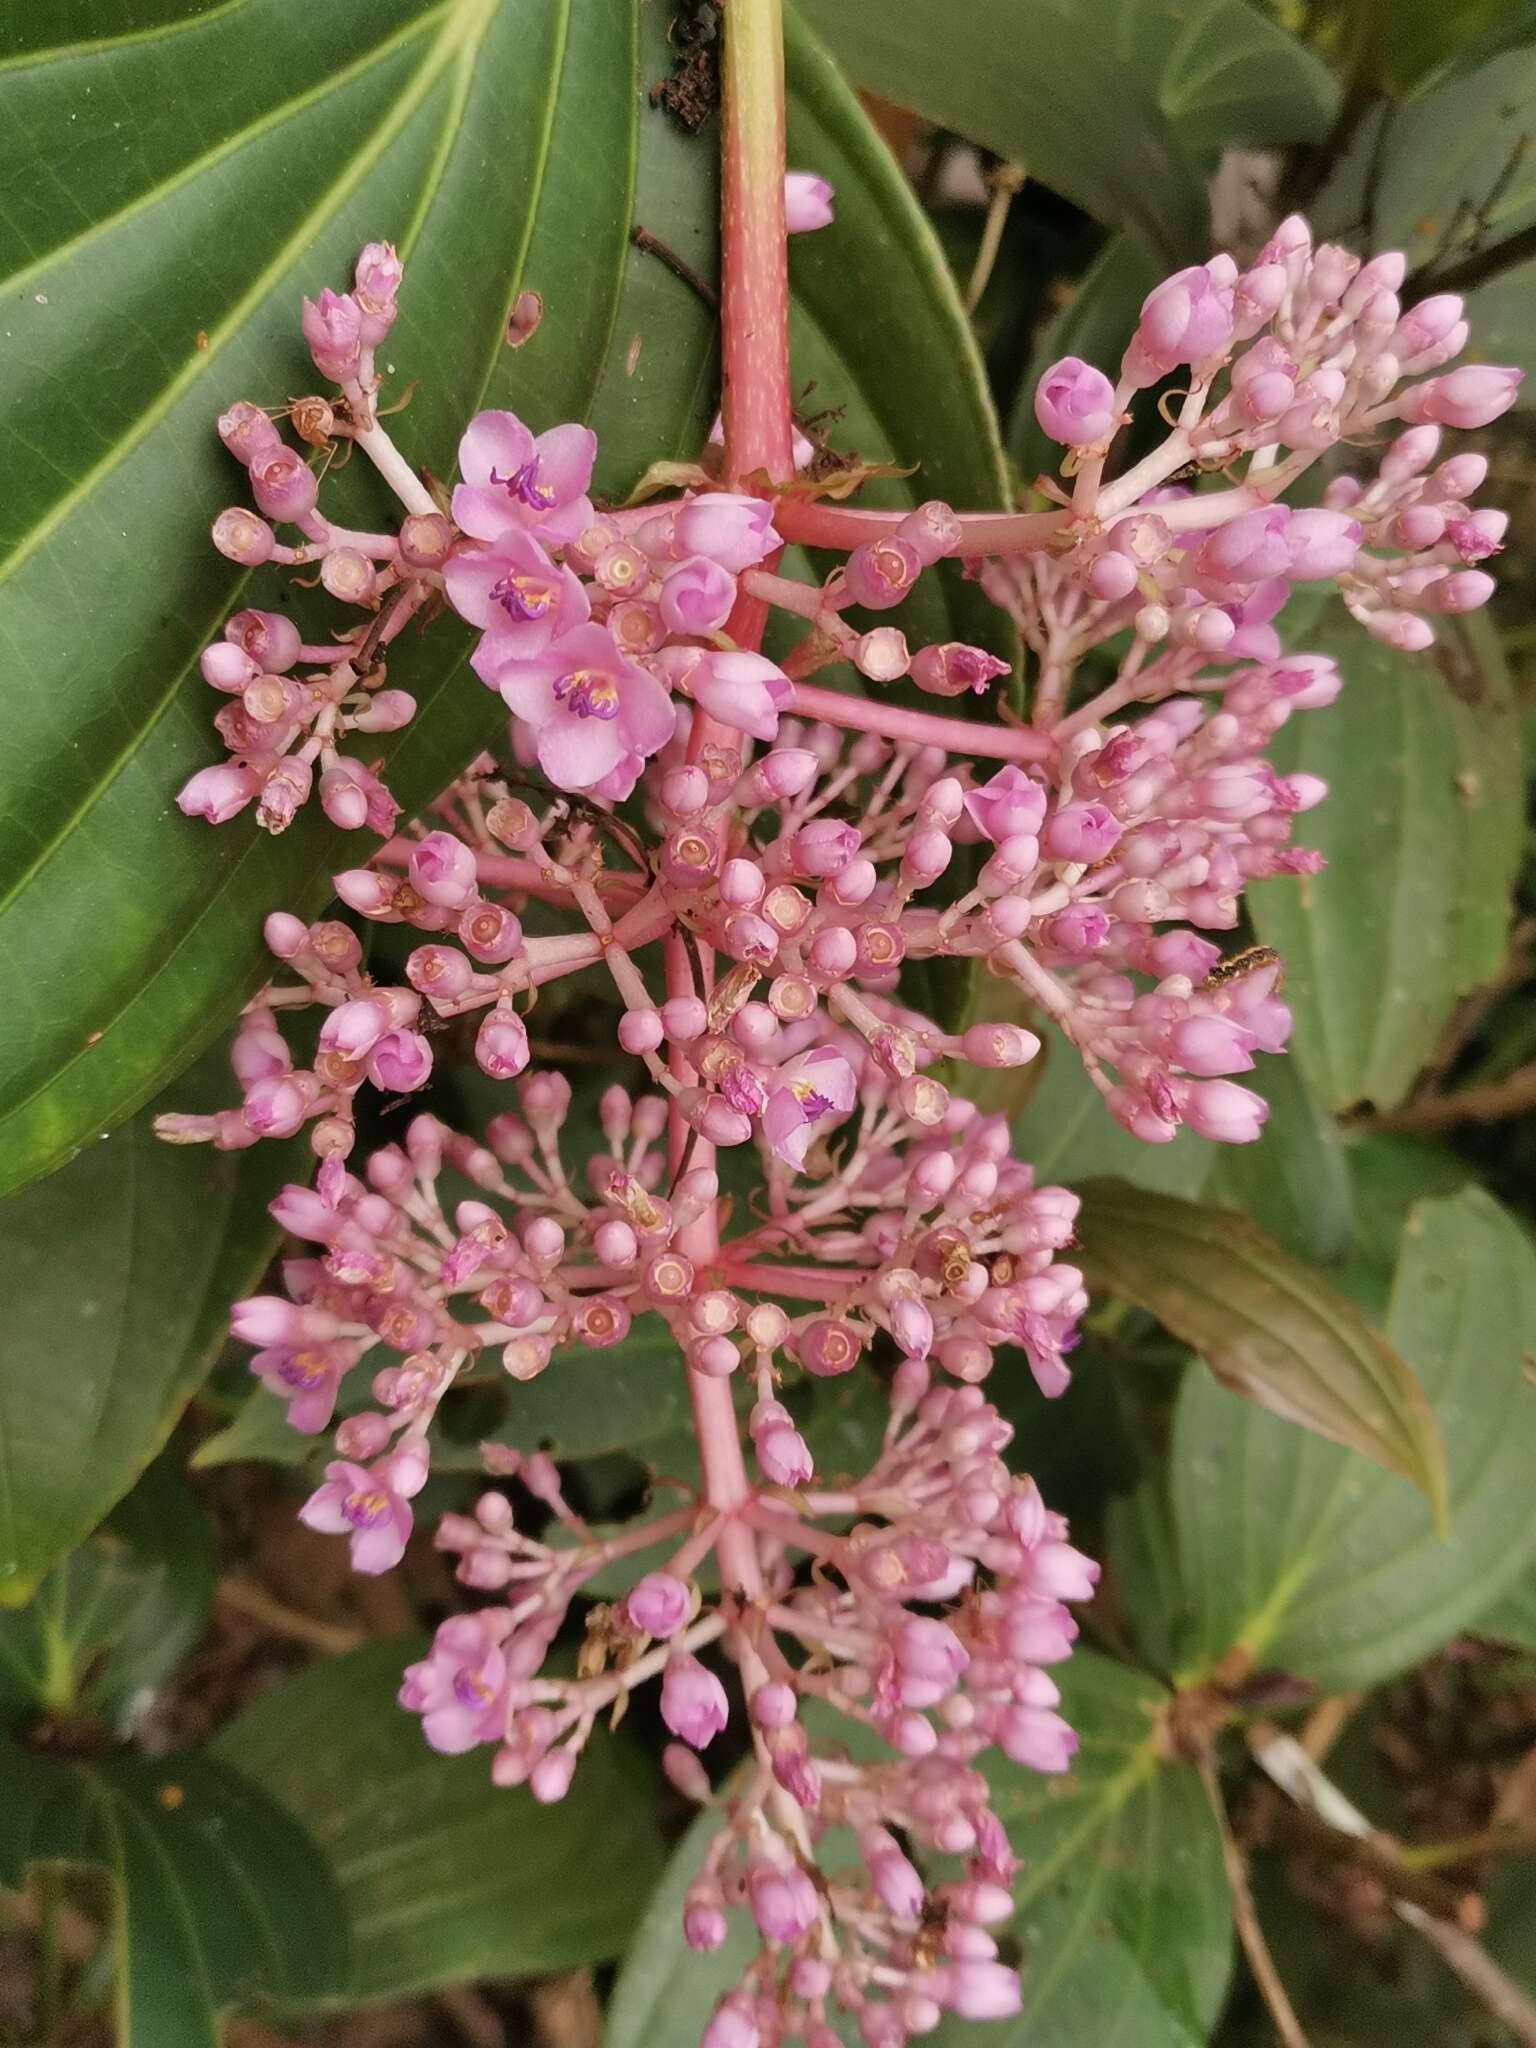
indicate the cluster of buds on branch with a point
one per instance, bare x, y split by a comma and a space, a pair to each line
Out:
753, 859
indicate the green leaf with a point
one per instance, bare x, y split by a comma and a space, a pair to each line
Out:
496, 142
1294, 1179
1096, 323
503, 144
113, 1618
220, 1897
878, 334
444, 1877
1181, 82
1270, 1329
1067, 1134
665, 1993
1422, 831
1309, 1559
1121, 1902
1446, 171
118, 1273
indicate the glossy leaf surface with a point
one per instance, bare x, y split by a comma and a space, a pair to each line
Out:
443, 1876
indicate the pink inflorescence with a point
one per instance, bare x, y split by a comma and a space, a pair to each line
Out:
752, 861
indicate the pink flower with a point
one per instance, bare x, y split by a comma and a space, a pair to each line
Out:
517, 595
459, 1689
807, 202
730, 529
363, 1505
1075, 403
1185, 319
1007, 805
307, 1380
693, 1702
517, 482
658, 1605
697, 596
818, 1084
592, 710
218, 793
744, 691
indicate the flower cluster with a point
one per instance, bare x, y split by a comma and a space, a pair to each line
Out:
937, 1601
754, 861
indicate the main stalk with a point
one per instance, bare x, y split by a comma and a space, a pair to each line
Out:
754, 319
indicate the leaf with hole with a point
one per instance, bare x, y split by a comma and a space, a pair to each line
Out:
1271, 1329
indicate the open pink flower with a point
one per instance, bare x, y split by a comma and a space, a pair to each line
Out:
592, 710
306, 1379
459, 1690
818, 1084
517, 595
516, 482
363, 1505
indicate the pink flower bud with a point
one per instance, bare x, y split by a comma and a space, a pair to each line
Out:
349, 576
658, 1605
442, 871
241, 537
1473, 396
879, 573
783, 1900
693, 1702
999, 1045
1223, 1111
697, 596
1323, 544
1080, 832
332, 325
375, 281
744, 691
732, 530
400, 1063
1186, 319
247, 432
283, 484
784, 1456
501, 1045
1075, 403
933, 530
807, 202
217, 793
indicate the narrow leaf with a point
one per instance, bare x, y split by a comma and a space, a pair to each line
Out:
1271, 1329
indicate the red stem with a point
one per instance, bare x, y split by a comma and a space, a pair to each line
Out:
754, 269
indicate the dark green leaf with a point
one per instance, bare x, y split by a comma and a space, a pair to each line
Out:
1447, 171
204, 173
503, 144
1422, 830
118, 1273
1144, 1568
443, 1876
1303, 1556
1121, 1901
111, 1619
665, 1992
1181, 82
1271, 1329
221, 1898
1294, 1180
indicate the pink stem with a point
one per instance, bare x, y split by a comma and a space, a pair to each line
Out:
819, 525
754, 268
923, 728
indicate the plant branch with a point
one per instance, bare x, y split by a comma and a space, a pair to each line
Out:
1245, 1914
